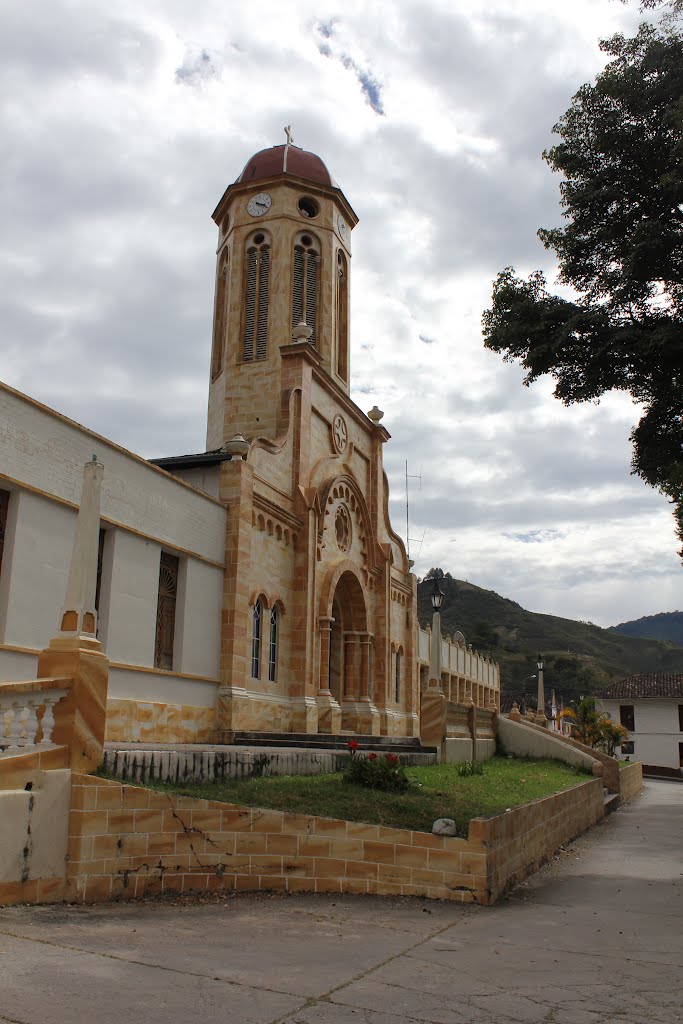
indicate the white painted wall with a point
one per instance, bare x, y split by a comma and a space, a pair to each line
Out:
197, 646
35, 566
656, 735
144, 510
40, 448
131, 620
160, 687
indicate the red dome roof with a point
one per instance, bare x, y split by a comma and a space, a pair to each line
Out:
287, 160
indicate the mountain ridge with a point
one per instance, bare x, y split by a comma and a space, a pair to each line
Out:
579, 657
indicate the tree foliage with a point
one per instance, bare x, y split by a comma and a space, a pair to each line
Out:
621, 250
588, 726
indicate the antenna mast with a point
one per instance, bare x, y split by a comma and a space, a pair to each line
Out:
411, 476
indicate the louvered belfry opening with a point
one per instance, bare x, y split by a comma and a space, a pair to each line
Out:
166, 605
305, 284
255, 342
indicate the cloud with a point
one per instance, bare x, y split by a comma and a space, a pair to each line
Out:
122, 128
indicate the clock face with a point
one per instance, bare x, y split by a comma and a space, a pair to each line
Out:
343, 230
259, 204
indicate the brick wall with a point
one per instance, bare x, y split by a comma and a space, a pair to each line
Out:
630, 781
126, 842
522, 839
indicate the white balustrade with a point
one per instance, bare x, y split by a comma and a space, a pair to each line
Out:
19, 723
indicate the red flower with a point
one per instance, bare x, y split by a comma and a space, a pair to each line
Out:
392, 759
353, 745
372, 757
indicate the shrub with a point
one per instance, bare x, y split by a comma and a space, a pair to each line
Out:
470, 768
376, 772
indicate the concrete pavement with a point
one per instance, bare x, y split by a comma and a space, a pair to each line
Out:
594, 938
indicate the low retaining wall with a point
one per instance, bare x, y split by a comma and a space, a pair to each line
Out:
126, 842
630, 781
211, 765
522, 839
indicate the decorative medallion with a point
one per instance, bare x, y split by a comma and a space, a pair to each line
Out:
340, 434
342, 528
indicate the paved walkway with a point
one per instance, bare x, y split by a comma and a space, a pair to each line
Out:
595, 938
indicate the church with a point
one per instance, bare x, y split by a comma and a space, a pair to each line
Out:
257, 586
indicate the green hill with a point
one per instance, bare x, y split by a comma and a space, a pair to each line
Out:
579, 657
664, 626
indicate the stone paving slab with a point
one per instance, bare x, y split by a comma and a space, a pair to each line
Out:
594, 938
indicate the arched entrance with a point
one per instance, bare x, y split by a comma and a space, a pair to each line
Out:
348, 633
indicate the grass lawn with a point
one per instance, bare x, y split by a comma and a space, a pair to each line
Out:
437, 791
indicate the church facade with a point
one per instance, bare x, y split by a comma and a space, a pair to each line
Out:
318, 624
257, 585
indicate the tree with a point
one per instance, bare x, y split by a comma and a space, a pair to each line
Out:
590, 727
621, 249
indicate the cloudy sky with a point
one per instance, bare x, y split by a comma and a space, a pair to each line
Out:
121, 126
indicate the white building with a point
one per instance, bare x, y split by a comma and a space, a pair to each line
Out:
651, 708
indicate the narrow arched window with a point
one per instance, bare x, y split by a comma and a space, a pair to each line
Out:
256, 640
342, 317
257, 273
397, 679
306, 280
272, 646
220, 316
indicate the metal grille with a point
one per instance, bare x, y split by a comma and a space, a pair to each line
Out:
342, 318
168, 592
311, 291
220, 317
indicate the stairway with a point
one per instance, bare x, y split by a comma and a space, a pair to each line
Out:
329, 741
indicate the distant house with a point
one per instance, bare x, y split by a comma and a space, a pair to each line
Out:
651, 708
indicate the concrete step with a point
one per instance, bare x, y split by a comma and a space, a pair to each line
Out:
330, 741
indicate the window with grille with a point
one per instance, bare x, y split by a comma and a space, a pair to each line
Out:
272, 646
256, 641
220, 316
98, 582
257, 270
305, 283
4, 505
166, 605
342, 317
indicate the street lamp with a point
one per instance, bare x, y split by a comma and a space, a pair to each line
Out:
436, 596
540, 707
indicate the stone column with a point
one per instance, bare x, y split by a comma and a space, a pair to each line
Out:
75, 652
435, 652
78, 614
329, 711
365, 641
325, 630
350, 667
540, 718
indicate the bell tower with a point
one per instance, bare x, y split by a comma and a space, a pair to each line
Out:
282, 275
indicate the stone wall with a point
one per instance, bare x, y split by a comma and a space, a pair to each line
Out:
127, 842
630, 781
522, 839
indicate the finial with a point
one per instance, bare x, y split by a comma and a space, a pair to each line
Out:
288, 133
302, 332
375, 414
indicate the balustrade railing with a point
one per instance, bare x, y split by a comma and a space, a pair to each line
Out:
22, 728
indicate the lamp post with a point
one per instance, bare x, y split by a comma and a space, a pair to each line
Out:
540, 707
436, 596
